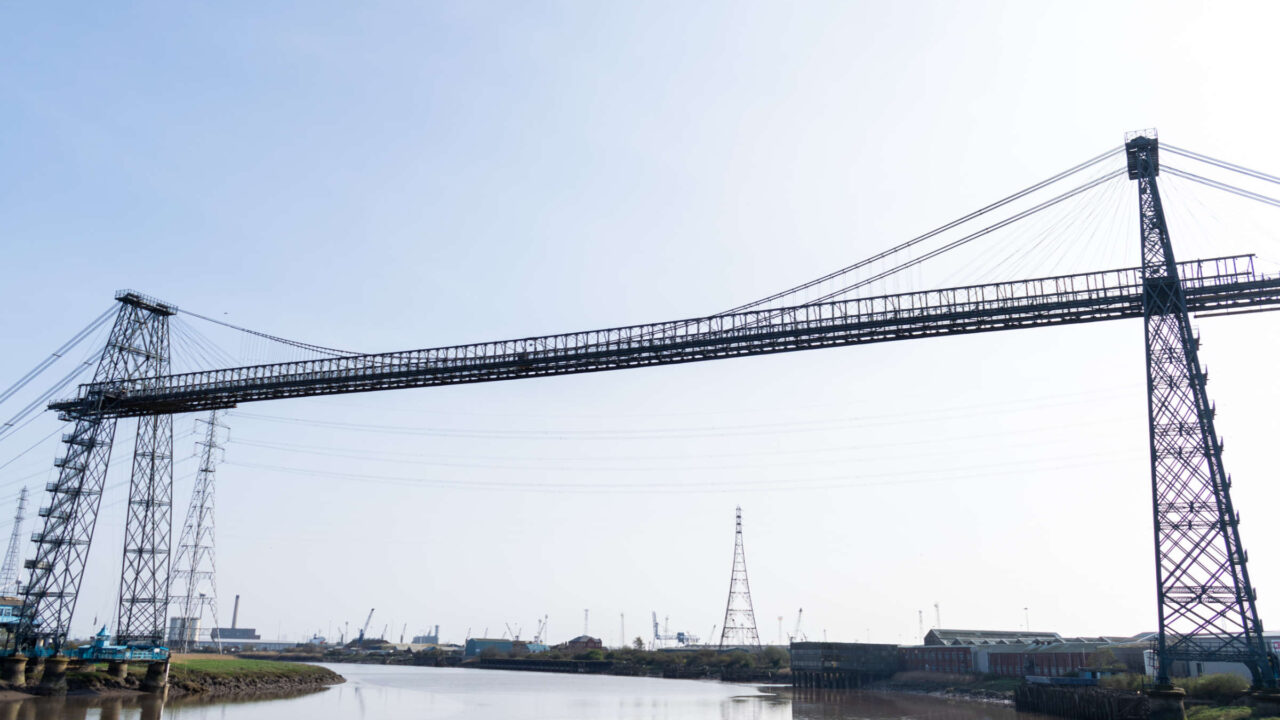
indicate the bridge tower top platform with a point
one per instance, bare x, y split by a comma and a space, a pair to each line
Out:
1140, 148
146, 302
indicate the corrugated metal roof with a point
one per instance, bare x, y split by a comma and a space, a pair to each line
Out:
1081, 647
939, 636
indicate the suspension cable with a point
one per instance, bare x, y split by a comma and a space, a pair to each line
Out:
1218, 185
56, 355
1221, 164
285, 341
932, 233
769, 317
11, 426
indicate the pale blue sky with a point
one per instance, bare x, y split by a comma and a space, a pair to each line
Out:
399, 175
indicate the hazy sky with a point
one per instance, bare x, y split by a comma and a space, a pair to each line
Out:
400, 175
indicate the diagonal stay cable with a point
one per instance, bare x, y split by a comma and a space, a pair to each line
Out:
56, 355
1219, 185
932, 233
1256, 174
955, 243
12, 425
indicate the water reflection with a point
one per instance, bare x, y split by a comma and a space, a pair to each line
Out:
405, 693
130, 707
813, 704
756, 707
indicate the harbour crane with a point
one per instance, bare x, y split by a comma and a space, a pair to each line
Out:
365, 629
660, 637
797, 636
542, 630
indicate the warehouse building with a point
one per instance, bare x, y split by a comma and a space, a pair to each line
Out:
841, 665
988, 637
962, 652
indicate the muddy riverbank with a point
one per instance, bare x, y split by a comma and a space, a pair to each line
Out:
189, 675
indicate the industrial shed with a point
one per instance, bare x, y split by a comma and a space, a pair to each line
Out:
841, 665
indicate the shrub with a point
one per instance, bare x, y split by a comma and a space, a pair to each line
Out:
775, 656
1221, 687
1127, 681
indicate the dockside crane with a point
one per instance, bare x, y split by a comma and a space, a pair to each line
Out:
365, 629
662, 635
798, 636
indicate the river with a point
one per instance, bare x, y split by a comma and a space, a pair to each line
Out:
382, 692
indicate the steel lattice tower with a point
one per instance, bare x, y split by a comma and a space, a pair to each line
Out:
148, 529
137, 349
194, 583
1206, 602
739, 627
9, 571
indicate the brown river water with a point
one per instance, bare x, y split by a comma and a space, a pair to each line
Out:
375, 692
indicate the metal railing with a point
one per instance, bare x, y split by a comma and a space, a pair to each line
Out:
1213, 284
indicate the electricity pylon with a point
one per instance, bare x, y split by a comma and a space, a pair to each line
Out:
739, 617
194, 585
9, 571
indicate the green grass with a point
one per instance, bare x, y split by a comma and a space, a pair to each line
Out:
1204, 712
242, 668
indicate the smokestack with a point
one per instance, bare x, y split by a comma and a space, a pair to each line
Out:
235, 613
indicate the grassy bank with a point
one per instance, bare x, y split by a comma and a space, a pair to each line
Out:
227, 674
771, 665
209, 674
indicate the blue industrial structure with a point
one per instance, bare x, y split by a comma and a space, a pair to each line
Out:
475, 646
101, 649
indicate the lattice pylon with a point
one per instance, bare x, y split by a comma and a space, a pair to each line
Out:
148, 530
9, 571
62, 545
1207, 608
194, 585
739, 629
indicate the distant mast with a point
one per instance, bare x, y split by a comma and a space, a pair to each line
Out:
9, 572
739, 617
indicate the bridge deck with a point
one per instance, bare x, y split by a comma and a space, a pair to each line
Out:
1218, 284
